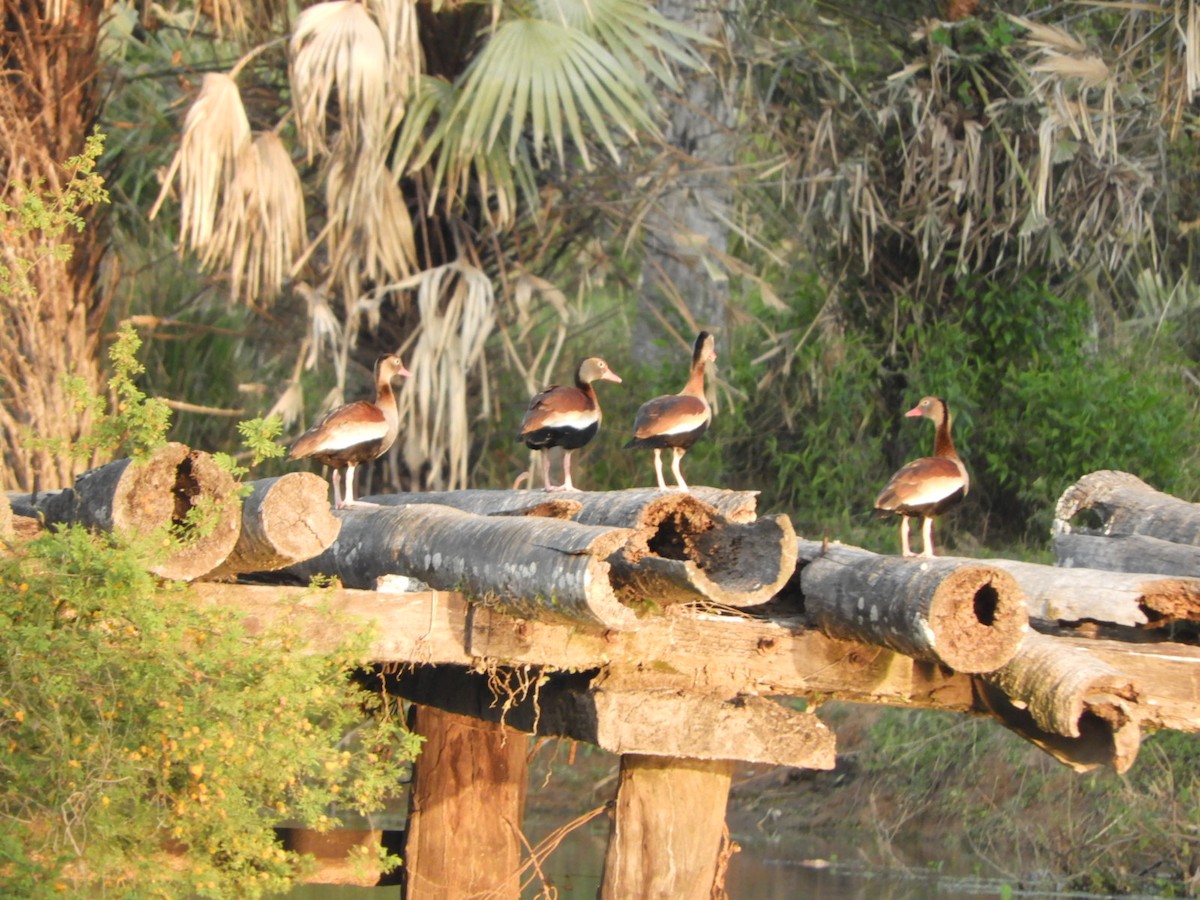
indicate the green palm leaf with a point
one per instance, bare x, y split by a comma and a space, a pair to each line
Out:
543, 72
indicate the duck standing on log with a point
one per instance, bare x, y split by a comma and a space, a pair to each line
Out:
677, 420
567, 417
355, 433
929, 486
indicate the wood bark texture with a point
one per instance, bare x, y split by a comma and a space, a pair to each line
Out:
1115, 503
667, 829
1126, 553
490, 502
1073, 696
141, 497
285, 520
469, 783
1057, 596
966, 615
533, 567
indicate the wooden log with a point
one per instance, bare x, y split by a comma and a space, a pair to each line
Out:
285, 520
1136, 553
465, 809
137, 498
1056, 596
667, 829
6, 517
623, 715
1078, 708
491, 502
685, 551
968, 616
636, 507
532, 567
1115, 503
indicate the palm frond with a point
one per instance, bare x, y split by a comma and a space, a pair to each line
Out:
215, 132
398, 22
337, 50
540, 72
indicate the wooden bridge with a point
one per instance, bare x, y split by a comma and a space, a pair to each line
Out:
681, 631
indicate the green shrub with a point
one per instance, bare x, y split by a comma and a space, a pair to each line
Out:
148, 743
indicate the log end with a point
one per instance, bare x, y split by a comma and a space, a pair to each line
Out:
977, 617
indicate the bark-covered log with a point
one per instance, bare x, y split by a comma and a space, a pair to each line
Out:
491, 502
627, 508
465, 808
532, 567
667, 829
686, 551
157, 493
1057, 596
968, 616
1078, 708
1114, 503
1126, 553
285, 520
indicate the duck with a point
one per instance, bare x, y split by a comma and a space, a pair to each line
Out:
355, 433
677, 420
565, 416
926, 487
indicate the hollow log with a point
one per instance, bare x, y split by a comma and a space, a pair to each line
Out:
141, 497
667, 829
685, 551
965, 615
285, 520
1114, 503
531, 567
1057, 596
490, 502
465, 809
1074, 706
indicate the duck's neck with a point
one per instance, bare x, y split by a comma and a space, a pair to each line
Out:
695, 382
943, 444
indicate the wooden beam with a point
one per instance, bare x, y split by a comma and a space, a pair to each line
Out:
466, 805
667, 829
624, 715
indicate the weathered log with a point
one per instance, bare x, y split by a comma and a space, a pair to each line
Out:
655, 848
465, 809
1057, 596
1126, 553
490, 503
624, 715
150, 495
1113, 503
968, 616
1078, 708
533, 567
686, 551
285, 520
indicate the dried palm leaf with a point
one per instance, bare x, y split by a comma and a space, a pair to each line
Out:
215, 133
261, 226
338, 50
398, 22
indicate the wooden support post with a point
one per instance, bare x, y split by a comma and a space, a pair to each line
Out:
667, 833
464, 821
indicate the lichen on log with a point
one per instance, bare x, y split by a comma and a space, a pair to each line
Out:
963, 614
531, 567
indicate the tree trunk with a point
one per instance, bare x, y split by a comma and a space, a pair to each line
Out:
1116, 503
667, 830
49, 100
685, 283
466, 806
968, 616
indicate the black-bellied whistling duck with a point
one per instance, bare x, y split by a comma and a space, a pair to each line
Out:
355, 433
567, 417
677, 420
928, 486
